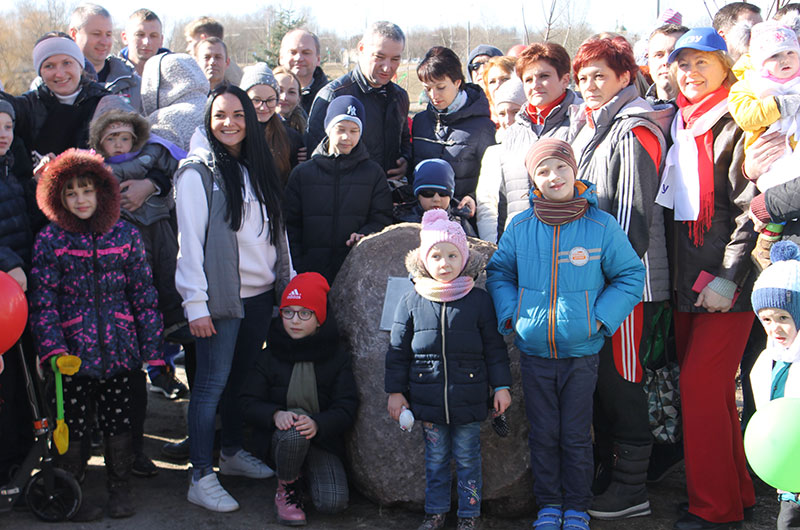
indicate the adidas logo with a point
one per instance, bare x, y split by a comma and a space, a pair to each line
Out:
294, 295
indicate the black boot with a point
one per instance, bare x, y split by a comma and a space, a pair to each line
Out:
119, 459
73, 461
626, 496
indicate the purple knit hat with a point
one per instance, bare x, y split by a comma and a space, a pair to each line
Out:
438, 228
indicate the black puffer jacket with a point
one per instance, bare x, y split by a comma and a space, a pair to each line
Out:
47, 126
460, 138
17, 206
782, 205
385, 133
727, 244
328, 198
446, 374
264, 391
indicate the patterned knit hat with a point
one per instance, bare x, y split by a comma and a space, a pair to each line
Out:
670, 16
768, 38
345, 108
549, 148
309, 290
438, 228
778, 286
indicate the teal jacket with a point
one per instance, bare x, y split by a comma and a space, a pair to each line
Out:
550, 283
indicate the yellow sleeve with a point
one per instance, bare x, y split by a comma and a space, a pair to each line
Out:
750, 112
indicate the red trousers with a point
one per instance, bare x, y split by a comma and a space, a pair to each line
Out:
709, 348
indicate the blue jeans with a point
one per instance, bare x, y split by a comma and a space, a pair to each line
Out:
223, 362
558, 403
462, 442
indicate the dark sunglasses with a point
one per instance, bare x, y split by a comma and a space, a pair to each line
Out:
474, 67
429, 193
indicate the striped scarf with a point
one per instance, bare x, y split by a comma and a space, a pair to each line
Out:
559, 213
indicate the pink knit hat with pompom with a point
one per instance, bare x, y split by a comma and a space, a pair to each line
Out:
437, 228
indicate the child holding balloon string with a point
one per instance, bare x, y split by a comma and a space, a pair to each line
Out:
776, 373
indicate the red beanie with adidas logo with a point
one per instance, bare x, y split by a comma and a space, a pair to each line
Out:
309, 290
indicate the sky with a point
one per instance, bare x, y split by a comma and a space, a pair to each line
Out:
637, 16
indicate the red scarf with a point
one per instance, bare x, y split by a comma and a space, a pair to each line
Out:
690, 112
538, 114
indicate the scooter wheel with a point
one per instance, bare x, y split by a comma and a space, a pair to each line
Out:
61, 503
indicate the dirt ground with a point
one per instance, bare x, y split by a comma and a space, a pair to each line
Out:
162, 503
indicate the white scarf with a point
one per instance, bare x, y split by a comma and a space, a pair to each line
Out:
680, 185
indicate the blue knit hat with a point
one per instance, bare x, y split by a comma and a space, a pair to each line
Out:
345, 108
778, 287
436, 174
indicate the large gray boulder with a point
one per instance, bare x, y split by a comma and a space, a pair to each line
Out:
387, 463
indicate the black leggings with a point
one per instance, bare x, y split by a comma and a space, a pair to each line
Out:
112, 399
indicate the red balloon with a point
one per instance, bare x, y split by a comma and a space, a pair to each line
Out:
13, 312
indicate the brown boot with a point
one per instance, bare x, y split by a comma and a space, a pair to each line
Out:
119, 459
766, 238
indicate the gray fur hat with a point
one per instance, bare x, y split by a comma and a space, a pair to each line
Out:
258, 74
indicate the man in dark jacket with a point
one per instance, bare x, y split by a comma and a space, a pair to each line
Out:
300, 54
385, 133
90, 27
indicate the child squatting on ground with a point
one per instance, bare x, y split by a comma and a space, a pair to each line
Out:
92, 297
444, 357
776, 372
563, 278
303, 394
766, 99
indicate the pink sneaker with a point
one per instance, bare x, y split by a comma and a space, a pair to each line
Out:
289, 503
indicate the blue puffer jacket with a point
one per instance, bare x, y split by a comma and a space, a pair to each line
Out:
551, 283
445, 356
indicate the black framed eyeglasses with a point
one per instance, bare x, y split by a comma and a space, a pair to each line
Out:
429, 193
302, 314
269, 102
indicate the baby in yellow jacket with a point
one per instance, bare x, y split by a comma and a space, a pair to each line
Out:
767, 99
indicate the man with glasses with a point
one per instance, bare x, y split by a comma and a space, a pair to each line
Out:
477, 60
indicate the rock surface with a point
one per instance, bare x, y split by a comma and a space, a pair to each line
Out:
387, 463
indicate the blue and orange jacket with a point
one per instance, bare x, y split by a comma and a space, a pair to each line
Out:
550, 283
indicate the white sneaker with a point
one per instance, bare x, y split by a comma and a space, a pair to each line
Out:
209, 493
243, 464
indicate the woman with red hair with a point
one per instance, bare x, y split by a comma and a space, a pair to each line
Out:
503, 185
713, 238
618, 140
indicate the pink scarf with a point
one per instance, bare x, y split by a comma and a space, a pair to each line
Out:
437, 291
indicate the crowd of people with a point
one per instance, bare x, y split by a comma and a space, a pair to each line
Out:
157, 203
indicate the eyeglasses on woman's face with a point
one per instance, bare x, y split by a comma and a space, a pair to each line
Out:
269, 102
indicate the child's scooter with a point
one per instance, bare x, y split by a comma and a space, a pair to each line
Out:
51, 494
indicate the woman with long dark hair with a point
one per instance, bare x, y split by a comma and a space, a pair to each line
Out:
233, 258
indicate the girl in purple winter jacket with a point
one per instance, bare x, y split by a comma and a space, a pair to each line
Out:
92, 297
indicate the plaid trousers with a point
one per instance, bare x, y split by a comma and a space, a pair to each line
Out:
323, 471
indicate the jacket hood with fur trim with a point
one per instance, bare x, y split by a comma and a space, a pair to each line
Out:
99, 124
475, 264
75, 163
